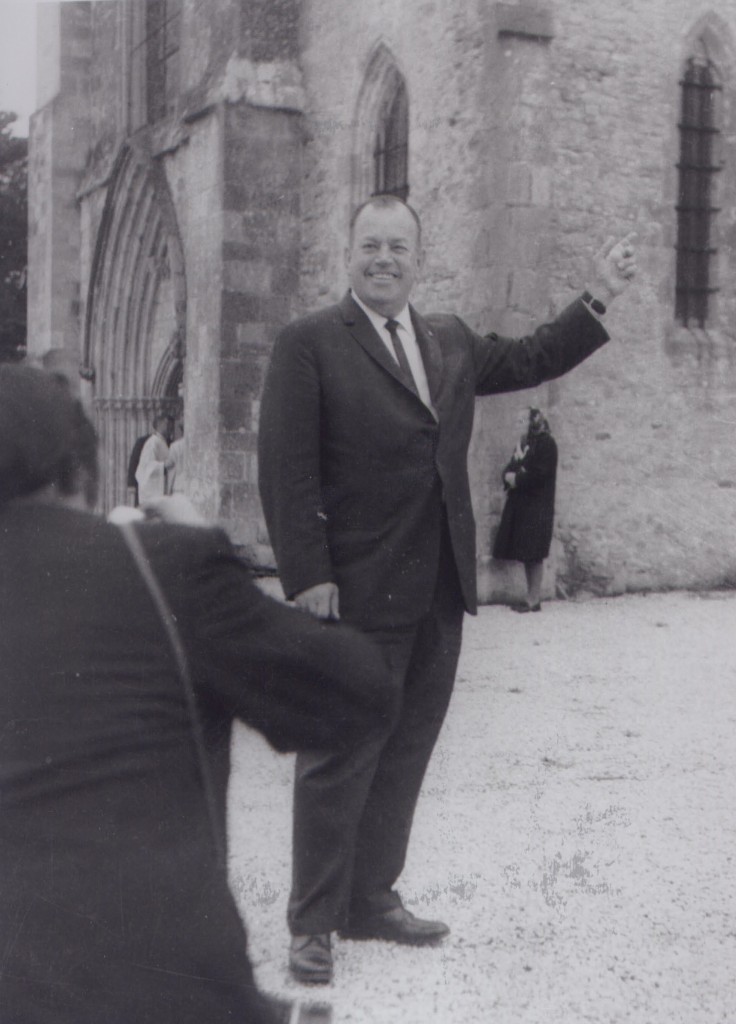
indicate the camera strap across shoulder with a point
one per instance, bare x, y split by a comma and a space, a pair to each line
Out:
168, 620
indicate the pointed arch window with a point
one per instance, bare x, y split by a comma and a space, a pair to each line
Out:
391, 145
696, 210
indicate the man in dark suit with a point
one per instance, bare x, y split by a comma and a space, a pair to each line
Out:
366, 419
114, 902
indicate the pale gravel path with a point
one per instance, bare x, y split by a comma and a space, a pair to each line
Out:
577, 829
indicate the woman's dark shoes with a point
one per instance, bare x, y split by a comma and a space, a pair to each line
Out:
310, 959
526, 607
280, 1012
396, 925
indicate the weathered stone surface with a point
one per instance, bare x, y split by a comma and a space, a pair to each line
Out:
534, 132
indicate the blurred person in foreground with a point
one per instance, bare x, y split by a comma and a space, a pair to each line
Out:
529, 479
114, 901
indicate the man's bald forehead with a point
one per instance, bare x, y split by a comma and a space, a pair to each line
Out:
385, 202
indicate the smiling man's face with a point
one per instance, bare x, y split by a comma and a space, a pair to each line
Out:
383, 258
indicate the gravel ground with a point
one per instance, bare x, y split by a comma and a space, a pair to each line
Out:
576, 829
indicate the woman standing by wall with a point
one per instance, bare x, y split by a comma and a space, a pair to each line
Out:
525, 532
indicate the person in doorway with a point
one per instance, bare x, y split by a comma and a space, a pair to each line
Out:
155, 461
135, 458
366, 417
176, 480
114, 901
529, 479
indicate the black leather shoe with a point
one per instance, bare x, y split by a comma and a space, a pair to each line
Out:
523, 608
310, 959
396, 925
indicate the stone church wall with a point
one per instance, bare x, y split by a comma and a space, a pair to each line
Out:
648, 474
535, 131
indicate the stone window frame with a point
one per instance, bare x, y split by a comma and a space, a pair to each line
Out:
381, 130
700, 127
153, 47
712, 35
138, 246
391, 146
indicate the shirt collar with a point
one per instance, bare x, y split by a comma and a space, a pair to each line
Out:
379, 320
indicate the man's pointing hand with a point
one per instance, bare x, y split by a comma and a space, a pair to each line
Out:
614, 266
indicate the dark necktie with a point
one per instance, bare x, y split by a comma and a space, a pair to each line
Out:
392, 326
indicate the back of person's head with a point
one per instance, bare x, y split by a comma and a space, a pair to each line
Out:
46, 439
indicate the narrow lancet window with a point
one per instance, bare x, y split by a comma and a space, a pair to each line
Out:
391, 149
696, 209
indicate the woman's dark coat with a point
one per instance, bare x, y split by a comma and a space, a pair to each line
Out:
525, 531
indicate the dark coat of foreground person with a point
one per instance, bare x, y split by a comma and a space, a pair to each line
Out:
114, 905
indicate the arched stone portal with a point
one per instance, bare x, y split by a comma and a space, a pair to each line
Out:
135, 330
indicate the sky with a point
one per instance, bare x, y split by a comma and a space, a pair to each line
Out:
18, 60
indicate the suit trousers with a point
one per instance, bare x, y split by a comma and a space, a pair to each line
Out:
353, 811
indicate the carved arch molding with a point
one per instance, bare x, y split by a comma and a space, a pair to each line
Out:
135, 331
381, 81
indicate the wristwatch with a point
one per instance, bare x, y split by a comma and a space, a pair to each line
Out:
595, 304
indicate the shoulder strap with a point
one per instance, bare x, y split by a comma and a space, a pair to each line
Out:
168, 621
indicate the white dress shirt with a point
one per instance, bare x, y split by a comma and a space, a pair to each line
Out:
408, 340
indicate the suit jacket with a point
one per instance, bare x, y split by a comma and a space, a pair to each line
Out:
355, 471
112, 906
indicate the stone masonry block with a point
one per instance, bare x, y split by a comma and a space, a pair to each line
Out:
526, 224
234, 498
255, 247
519, 185
233, 227
239, 308
243, 377
286, 277
253, 336
251, 469
232, 466
233, 415
270, 28
253, 277
524, 292
533, 21
541, 186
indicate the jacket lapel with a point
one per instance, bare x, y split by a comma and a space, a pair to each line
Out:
431, 352
362, 330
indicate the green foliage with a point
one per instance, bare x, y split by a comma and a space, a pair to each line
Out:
13, 240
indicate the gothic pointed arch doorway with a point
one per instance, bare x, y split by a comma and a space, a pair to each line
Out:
135, 332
